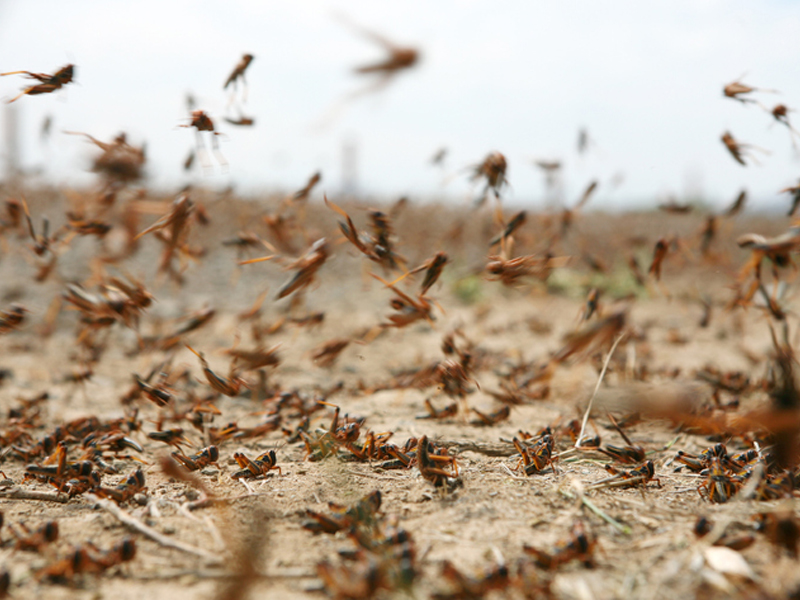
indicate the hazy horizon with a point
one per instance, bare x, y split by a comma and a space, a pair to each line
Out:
519, 78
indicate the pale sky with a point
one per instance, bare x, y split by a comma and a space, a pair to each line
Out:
519, 77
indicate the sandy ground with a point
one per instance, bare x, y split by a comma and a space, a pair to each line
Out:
645, 545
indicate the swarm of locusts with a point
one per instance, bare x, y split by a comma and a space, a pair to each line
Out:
384, 386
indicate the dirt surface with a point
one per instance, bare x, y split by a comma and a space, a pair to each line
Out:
645, 547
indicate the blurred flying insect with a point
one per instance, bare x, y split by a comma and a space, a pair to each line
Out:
579, 546
737, 149
409, 310
176, 224
433, 269
593, 337
736, 89
302, 195
42, 244
12, 318
737, 206
34, 540
227, 387
672, 206
377, 247
200, 120
592, 305
795, 192
237, 74
307, 267
399, 58
493, 169
47, 83
242, 121
510, 270
781, 114
552, 173
568, 214
326, 354
120, 161
517, 221
707, 235
659, 254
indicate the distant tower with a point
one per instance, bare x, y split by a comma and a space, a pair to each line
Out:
350, 167
11, 122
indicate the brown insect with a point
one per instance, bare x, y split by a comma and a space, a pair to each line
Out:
492, 418
134, 484
88, 559
673, 207
510, 270
254, 469
493, 169
241, 121
517, 221
227, 387
302, 195
428, 462
176, 224
119, 161
703, 527
408, 310
640, 476
719, 487
737, 149
464, 587
737, 206
307, 267
205, 457
659, 254
362, 514
592, 305
326, 354
11, 318
781, 114
399, 58
737, 89
795, 192
568, 214
778, 250
707, 235
377, 247
782, 529
451, 410
200, 121
257, 358
171, 437
238, 73
34, 539
592, 336
535, 458
702, 461
630, 454
579, 546
47, 83
42, 244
